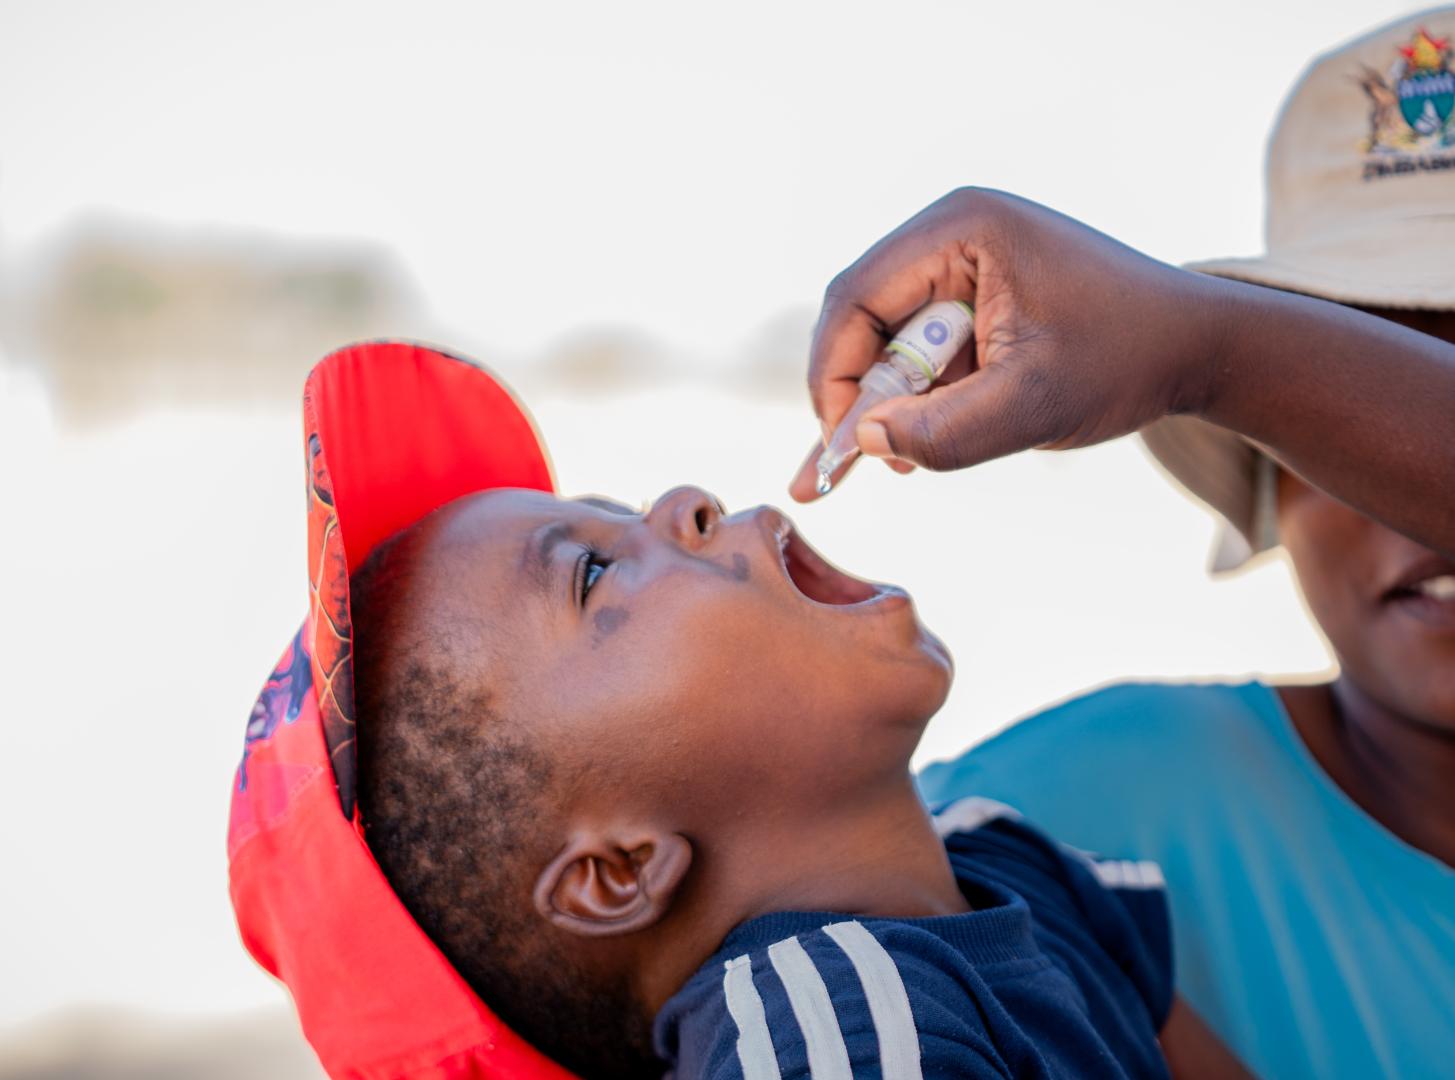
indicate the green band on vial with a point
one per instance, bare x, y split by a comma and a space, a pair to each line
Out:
910, 354
968, 309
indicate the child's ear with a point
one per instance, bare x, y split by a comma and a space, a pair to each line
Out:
605, 883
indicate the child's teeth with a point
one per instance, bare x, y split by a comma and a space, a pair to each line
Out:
1438, 588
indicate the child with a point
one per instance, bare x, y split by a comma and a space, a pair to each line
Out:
638, 787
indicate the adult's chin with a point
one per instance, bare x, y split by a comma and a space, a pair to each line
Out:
1431, 705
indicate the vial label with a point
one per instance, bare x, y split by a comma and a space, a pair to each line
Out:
929, 341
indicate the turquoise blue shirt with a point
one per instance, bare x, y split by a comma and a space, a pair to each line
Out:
1314, 941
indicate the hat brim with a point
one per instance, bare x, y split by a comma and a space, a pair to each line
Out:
1405, 262
1398, 262
1221, 470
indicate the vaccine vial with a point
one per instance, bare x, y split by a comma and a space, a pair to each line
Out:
911, 363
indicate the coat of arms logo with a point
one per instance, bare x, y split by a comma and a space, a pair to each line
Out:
1411, 103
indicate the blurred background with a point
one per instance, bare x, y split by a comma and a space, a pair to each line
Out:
628, 210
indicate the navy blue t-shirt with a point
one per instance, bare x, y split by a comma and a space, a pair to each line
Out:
1063, 968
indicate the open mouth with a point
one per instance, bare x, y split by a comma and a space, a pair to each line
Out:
1430, 577
1440, 587
819, 580
1427, 591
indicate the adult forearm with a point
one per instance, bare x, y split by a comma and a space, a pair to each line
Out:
1362, 407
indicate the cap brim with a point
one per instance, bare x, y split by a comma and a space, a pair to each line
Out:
392, 431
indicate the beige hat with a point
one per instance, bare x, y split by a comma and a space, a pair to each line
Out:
1360, 210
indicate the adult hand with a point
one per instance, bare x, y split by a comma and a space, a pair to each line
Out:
1078, 338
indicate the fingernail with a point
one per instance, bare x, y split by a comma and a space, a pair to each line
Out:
873, 439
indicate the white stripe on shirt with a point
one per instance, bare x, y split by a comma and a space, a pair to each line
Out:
969, 814
755, 1045
1128, 873
828, 1057
888, 1000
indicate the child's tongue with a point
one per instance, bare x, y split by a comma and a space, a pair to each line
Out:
812, 575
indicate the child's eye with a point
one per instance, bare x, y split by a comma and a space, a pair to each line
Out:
588, 569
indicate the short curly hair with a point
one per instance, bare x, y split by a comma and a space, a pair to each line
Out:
451, 795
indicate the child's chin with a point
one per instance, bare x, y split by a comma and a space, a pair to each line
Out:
939, 654
929, 686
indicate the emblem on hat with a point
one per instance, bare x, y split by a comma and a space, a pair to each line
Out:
1411, 104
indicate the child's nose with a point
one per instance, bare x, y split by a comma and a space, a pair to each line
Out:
687, 515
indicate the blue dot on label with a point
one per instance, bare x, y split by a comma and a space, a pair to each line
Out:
936, 332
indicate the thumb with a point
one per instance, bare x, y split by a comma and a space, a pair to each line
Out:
972, 420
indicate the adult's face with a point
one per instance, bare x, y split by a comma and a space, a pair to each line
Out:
1386, 603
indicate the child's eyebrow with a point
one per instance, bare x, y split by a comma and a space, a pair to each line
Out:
609, 505
535, 557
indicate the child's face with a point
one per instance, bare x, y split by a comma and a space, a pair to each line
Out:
695, 665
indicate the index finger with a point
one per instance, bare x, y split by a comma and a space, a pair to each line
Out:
924, 259
847, 339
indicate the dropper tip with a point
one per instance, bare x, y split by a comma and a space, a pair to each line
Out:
824, 483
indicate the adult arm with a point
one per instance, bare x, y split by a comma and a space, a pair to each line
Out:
1355, 404
1080, 339
1193, 1052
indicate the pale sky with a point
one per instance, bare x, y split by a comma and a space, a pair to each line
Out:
688, 169
685, 171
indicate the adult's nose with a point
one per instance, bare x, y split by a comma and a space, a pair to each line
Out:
686, 515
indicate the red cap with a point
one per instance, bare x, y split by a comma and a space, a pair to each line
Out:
391, 431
